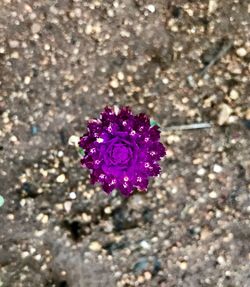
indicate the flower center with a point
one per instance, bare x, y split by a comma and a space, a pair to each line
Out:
120, 154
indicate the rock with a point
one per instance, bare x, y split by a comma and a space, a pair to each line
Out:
122, 219
107, 210
234, 94
145, 245
114, 83
61, 178
213, 195
27, 80
1, 201
73, 140
29, 190
13, 44
147, 275
140, 265
221, 260
34, 130
156, 266
201, 171
95, 246
88, 29
151, 8
225, 112
241, 52
212, 6
67, 206
35, 28
217, 168
183, 265
111, 246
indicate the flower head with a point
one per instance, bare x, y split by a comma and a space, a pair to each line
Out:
122, 150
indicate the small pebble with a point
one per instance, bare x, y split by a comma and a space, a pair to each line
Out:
151, 8
10, 216
183, 265
34, 130
147, 275
38, 257
221, 260
61, 178
67, 206
217, 168
145, 245
27, 80
1, 201
225, 112
14, 55
72, 195
120, 76
13, 44
114, 83
88, 29
241, 52
234, 94
73, 140
45, 219
212, 6
201, 171
107, 210
35, 28
95, 246
60, 153
213, 194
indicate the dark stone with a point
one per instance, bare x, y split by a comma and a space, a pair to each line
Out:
147, 215
140, 265
34, 130
122, 219
111, 246
63, 136
156, 267
247, 123
29, 190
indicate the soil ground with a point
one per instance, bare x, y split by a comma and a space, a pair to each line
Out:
181, 62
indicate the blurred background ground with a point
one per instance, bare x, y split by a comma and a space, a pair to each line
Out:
181, 62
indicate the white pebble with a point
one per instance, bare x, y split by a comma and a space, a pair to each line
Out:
213, 194
114, 83
201, 171
241, 52
38, 257
61, 178
35, 28
95, 246
27, 80
151, 8
13, 44
73, 140
234, 94
88, 29
60, 153
221, 260
67, 206
72, 195
145, 245
217, 168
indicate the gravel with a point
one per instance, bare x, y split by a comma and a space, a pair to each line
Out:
182, 62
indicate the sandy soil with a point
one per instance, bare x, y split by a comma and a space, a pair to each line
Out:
181, 62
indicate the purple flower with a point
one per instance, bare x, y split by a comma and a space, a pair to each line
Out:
122, 150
